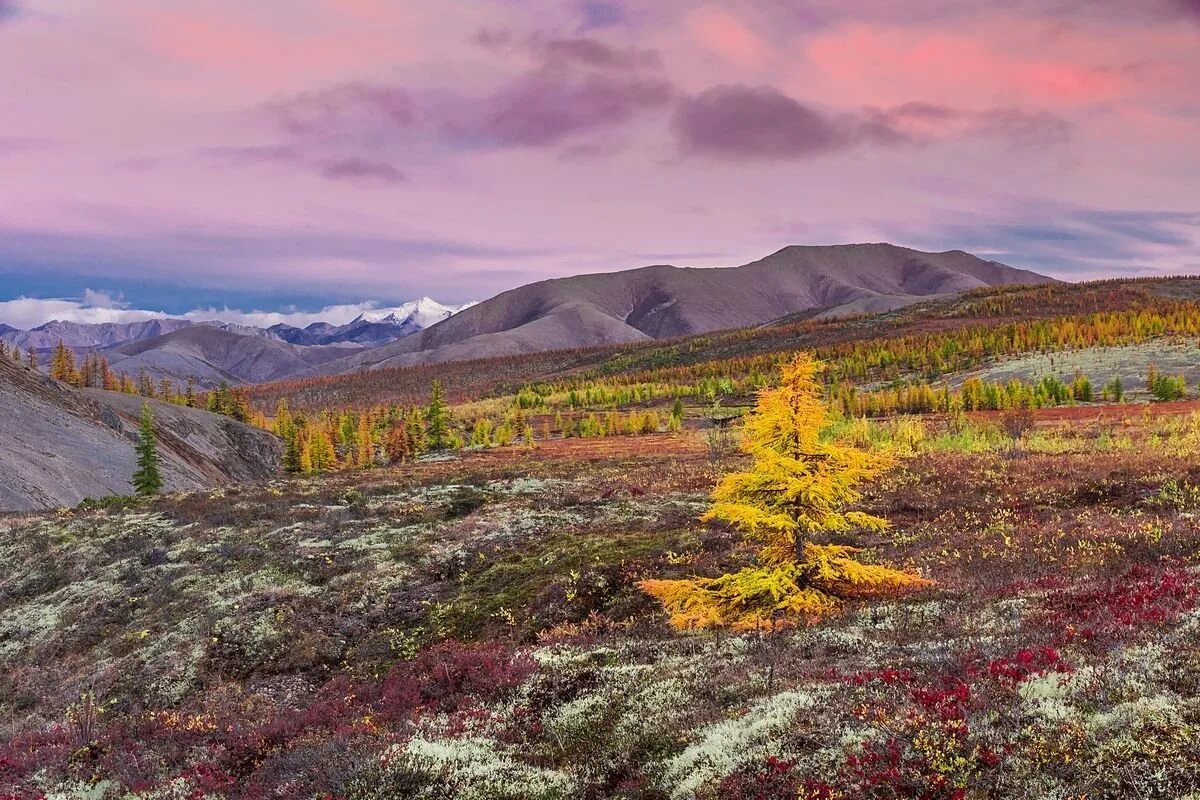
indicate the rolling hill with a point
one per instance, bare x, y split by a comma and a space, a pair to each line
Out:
664, 301
62, 444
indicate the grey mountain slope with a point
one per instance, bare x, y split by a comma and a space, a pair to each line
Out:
59, 445
212, 356
663, 301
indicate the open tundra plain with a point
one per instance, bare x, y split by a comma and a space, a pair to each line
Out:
469, 623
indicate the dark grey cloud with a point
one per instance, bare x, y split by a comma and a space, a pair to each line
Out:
740, 122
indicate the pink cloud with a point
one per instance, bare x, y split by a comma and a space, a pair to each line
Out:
978, 66
718, 30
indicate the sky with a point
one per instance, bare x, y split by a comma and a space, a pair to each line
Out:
284, 156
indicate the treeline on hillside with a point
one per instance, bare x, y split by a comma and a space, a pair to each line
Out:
927, 342
383, 435
94, 372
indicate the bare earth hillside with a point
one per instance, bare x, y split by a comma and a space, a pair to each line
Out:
61, 445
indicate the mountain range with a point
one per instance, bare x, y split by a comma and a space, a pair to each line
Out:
653, 302
211, 352
370, 327
662, 301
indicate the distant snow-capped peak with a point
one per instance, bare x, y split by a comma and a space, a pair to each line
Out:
419, 313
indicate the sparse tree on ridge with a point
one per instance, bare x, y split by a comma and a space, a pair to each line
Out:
62, 365
147, 480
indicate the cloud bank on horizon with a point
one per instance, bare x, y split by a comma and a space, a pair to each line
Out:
98, 307
335, 149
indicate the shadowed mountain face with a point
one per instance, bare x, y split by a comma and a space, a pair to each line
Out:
663, 301
212, 356
61, 445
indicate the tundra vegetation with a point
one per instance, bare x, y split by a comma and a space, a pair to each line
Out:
397, 620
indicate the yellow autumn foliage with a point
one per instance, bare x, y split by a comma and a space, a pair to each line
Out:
797, 486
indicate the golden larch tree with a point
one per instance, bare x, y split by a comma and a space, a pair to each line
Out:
797, 487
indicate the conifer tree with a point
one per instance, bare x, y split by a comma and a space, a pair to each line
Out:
399, 444
1114, 390
306, 458
62, 365
147, 480
322, 456
284, 426
31, 357
365, 457
415, 423
437, 419
291, 453
797, 488
145, 386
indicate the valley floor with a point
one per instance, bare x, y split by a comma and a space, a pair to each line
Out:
470, 627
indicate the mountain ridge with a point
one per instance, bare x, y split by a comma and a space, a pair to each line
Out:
662, 301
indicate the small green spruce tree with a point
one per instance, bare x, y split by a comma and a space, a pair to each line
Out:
437, 419
147, 480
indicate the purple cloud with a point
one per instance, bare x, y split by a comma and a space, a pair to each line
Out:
596, 54
578, 85
350, 169
760, 122
549, 105
326, 112
754, 122
922, 123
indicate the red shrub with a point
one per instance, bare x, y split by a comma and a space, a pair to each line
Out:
1120, 606
769, 780
1011, 670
